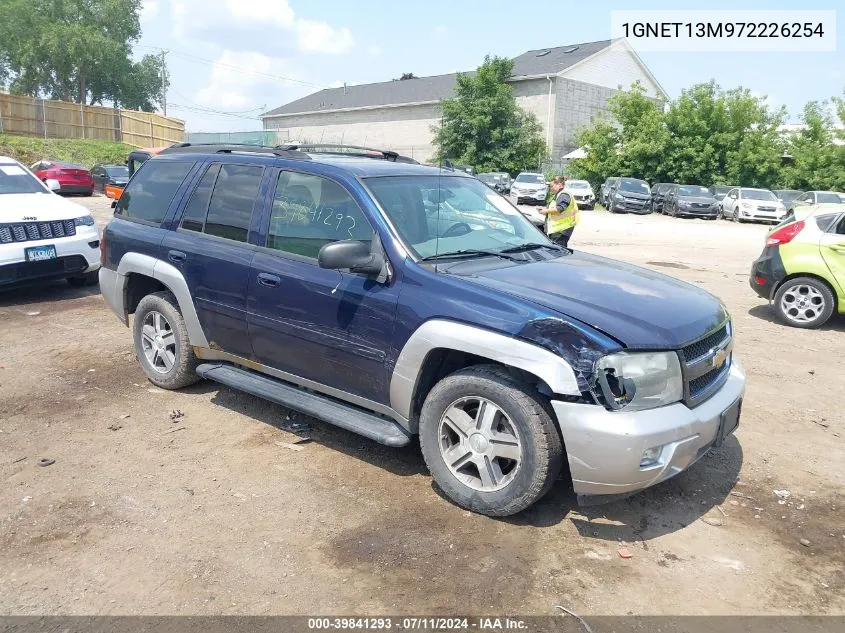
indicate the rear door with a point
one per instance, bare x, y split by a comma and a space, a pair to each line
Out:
832, 245
210, 246
327, 326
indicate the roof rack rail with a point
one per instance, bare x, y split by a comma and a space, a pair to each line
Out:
347, 150
229, 148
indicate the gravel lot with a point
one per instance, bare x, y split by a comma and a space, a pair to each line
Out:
208, 514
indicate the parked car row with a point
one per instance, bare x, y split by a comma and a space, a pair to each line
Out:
740, 204
76, 179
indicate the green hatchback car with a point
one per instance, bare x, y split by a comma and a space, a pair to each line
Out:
802, 268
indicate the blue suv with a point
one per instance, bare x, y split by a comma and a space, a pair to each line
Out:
399, 301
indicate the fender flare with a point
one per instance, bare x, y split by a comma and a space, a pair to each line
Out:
501, 348
172, 279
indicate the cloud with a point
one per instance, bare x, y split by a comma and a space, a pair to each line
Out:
231, 88
441, 30
260, 19
149, 10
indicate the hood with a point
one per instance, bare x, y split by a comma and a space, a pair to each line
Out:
634, 195
43, 207
639, 308
762, 203
698, 199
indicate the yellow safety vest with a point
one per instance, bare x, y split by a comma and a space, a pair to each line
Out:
559, 222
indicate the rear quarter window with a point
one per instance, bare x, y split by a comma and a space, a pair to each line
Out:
150, 192
826, 222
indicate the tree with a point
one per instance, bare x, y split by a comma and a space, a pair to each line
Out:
633, 141
76, 50
818, 162
406, 76
484, 127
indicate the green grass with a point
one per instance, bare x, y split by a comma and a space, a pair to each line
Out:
28, 150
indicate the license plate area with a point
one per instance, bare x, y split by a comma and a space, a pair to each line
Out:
728, 422
40, 253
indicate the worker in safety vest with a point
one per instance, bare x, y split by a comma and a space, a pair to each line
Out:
562, 214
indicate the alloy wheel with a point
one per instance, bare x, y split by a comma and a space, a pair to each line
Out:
158, 342
479, 444
802, 303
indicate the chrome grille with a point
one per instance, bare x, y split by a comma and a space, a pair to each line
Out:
703, 374
31, 231
767, 209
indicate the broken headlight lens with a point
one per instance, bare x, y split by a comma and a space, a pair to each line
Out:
639, 380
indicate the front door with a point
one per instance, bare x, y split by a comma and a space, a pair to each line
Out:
832, 246
210, 248
327, 326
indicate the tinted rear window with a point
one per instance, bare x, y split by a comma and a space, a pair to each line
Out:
149, 194
230, 209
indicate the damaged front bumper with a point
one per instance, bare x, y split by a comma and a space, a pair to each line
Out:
607, 449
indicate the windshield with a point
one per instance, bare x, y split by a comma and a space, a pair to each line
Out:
758, 194
578, 184
827, 197
531, 178
118, 171
663, 188
695, 191
721, 189
787, 195
634, 186
445, 214
16, 179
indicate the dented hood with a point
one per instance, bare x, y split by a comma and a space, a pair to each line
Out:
639, 308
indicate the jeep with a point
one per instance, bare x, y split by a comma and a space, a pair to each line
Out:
407, 303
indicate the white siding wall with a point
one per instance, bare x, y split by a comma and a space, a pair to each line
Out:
405, 129
616, 67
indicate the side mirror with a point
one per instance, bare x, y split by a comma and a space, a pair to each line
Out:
113, 204
350, 254
52, 184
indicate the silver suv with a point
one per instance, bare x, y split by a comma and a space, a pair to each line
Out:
529, 187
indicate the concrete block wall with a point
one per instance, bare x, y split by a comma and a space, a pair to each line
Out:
576, 104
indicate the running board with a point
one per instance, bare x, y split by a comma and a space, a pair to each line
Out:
321, 407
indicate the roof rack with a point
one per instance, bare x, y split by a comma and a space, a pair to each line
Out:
347, 150
229, 148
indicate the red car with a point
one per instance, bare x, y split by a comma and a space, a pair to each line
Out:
72, 178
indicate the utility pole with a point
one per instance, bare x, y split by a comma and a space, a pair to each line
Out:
164, 80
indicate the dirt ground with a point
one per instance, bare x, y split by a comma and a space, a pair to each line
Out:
208, 514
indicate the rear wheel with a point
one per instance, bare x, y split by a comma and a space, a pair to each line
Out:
804, 302
161, 342
489, 442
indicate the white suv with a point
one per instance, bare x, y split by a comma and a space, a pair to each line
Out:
42, 235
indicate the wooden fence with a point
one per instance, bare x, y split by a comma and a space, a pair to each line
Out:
29, 116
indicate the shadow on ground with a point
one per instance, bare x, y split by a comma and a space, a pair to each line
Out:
767, 313
404, 461
45, 292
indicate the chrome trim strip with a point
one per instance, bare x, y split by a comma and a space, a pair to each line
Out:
438, 333
209, 354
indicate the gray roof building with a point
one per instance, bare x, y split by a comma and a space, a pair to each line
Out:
564, 87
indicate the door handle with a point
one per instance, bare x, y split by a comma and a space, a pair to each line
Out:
271, 281
176, 256
839, 248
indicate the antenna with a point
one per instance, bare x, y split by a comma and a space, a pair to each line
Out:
439, 176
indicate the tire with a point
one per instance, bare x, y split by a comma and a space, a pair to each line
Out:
168, 359
85, 279
816, 296
510, 485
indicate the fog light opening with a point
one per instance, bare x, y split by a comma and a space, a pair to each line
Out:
651, 457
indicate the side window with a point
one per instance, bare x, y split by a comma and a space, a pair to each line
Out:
827, 223
193, 218
149, 194
840, 226
230, 208
309, 212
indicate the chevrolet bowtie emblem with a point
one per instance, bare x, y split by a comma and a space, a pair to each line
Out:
719, 358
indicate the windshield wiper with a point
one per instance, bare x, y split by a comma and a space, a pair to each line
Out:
468, 252
531, 246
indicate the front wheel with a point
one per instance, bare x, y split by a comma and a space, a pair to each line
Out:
489, 442
161, 342
804, 302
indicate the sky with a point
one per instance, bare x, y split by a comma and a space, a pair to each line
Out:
230, 60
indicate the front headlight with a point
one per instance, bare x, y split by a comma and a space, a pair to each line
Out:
619, 196
683, 203
85, 220
639, 380
746, 205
